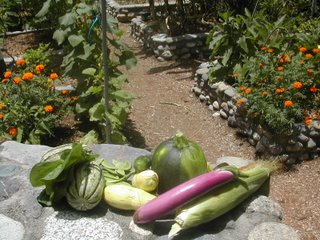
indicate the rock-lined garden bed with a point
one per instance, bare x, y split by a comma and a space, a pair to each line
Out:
303, 143
124, 13
170, 48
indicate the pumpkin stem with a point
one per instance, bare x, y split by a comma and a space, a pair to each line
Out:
180, 141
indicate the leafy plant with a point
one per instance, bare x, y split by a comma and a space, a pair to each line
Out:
237, 38
83, 61
282, 88
30, 108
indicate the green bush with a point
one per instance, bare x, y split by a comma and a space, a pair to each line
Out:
281, 88
30, 107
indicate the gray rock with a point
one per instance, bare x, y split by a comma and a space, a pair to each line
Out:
202, 71
273, 231
232, 122
311, 144
223, 114
166, 54
210, 107
275, 149
216, 114
303, 138
296, 147
256, 136
197, 91
10, 229
230, 92
225, 106
190, 44
216, 105
314, 134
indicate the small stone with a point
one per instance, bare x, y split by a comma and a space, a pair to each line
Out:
166, 54
215, 105
160, 59
290, 161
223, 114
256, 136
232, 122
230, 92
197, 91
202, 97
231, 112
252, 142
216, 114
273, 230
205, 77
314, 134
303, 138
275, 149
294, 147
160, 48
311, 144
190, 44
225, 107
210, 107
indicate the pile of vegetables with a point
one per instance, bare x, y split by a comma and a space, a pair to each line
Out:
174, 181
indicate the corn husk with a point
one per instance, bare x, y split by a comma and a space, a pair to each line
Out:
222, 199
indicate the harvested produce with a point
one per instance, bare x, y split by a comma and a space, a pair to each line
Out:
222, 199
177, 160
54, 171
116, 171
146, 180
86, 188
124, 196
142, 163
174, 198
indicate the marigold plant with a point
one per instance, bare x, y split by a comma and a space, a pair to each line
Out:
30, 107
284, 87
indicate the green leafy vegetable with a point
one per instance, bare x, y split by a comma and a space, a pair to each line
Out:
117, 171
56, 174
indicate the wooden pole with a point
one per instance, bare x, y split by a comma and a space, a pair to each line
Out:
105, 66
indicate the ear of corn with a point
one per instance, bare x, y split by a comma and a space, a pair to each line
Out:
222, 199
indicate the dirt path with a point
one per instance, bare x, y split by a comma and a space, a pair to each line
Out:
165, 104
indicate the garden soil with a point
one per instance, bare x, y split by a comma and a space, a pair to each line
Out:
164, 104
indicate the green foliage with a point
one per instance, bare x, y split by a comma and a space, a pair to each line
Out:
282, 88
30, 108
238, 37
80, 35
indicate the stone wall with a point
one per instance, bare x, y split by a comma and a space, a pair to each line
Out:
124, 13
170, 48
303, 143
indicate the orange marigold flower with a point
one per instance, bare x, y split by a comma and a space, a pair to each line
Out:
288, 103
301, 62
297, 85
313, 89
263, 48
248, 90
302, 49
316, 50
13, 131
265, 93
308, 121
280, 68
65, 92
48, 108
280, 90
27, 76
5, 80
74, 98
39, 68
2, 105
17, 80
240, 101
21, 62
7, 74
270, 50
309, 55
242, 88
53, 76
1, 116
310, 71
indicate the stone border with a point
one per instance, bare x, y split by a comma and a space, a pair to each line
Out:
124, 13
170, 48
302, 144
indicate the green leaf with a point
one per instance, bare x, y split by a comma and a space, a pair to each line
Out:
89, 71
44, 10
227, 56
243, 44
90, 138
45, 171
67, 19
97, 112
60, 36
75, 40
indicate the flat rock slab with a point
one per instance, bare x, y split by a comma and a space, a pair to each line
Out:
28, 220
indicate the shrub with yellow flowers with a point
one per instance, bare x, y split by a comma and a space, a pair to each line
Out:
30, 107
282, 88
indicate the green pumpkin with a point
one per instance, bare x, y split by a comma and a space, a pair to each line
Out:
86, 188
177, 160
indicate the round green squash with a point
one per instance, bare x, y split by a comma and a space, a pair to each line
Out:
86, 188
177, 160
